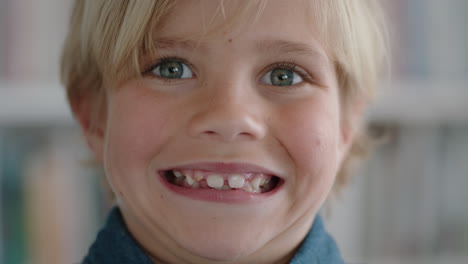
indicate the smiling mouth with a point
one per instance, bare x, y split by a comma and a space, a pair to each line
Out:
198, 179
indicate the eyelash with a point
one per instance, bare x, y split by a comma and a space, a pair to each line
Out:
292, 66
166, 59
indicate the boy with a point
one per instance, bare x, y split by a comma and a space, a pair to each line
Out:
221, 125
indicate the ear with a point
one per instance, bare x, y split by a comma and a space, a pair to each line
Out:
350, 126
91, 118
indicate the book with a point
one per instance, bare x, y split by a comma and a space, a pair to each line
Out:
50, 205
17, 146
2, 239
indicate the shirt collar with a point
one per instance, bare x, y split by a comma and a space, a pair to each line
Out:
318, 247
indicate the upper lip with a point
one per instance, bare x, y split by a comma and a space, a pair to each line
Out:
225, 167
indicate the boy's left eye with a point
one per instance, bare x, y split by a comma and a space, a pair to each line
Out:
281, 77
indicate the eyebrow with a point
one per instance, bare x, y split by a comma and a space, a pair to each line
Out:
177, 43
281, 47
288, 47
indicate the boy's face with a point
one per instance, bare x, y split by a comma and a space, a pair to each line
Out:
254, 102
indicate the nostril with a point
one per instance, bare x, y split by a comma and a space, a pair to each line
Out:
226, 125
227, 135
210, 134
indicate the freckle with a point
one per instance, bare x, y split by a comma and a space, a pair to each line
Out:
318, 143
230, 40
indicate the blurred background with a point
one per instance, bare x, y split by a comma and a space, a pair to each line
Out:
407, 204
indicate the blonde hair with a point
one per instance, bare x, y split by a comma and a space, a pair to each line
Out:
106, 40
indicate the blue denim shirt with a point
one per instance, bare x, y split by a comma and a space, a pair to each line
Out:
115, 245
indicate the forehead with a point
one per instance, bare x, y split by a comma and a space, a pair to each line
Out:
260, 21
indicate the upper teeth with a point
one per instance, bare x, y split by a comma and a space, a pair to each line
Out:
178, 174
198, 176
256, 183
215, 181
236, 181
189, 180
249, 182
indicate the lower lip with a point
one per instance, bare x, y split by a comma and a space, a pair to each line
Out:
220, 196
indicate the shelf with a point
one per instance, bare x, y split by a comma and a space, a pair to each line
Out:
33, 104
422, 102
406, 102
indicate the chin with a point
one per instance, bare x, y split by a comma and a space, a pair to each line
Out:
224, 251
225, 246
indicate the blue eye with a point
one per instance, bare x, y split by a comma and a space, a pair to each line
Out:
281, 77
172, 69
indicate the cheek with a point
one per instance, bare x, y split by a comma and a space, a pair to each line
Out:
135, 133
310, 134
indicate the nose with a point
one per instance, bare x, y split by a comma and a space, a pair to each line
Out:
227, 117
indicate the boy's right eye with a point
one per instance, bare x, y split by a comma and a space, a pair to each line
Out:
172, 69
